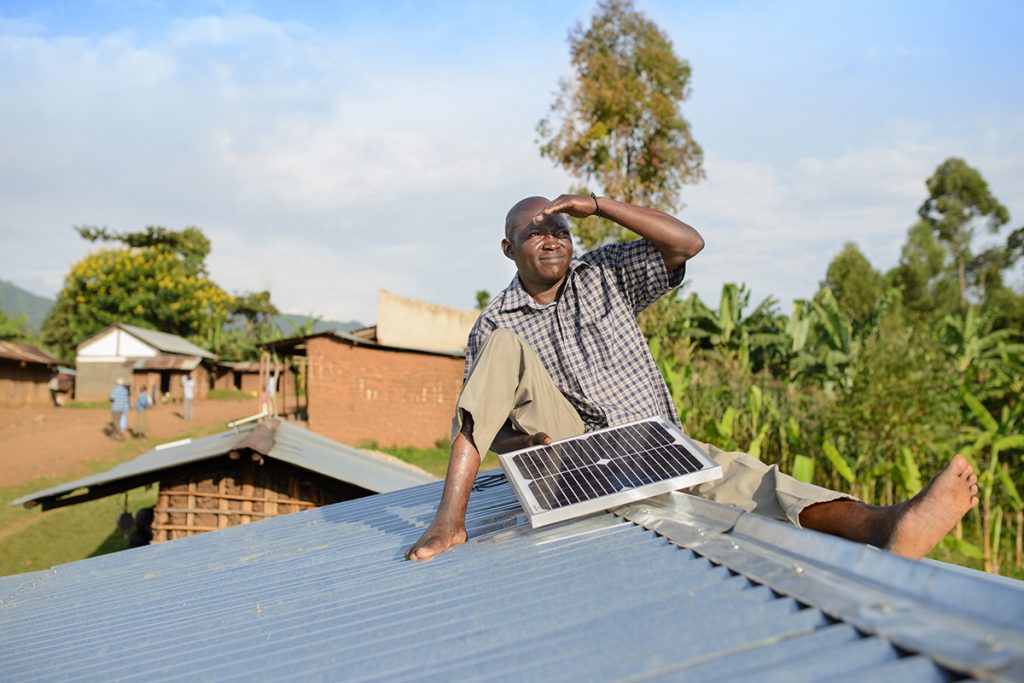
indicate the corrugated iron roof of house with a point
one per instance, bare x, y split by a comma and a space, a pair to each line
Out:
296, 345
240, 365
667, 588
27, 354
169, 343
169, 362
284, 442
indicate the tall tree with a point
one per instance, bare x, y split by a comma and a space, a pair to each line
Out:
959, 201
616, 124
856, 285
158, 280
929, 290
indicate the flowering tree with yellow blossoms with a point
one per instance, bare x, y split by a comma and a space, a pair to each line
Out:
157, 280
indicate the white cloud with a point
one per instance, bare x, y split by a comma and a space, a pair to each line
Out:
776, 227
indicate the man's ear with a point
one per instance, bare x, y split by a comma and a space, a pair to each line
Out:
506, 248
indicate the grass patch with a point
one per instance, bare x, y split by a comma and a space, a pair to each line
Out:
433, 460
230, 395
87, 405
31, 540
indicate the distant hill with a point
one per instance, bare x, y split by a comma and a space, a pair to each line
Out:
15, 301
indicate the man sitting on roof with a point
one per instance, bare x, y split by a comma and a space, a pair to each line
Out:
559, 352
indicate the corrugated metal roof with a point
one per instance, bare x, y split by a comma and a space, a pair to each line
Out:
290, 444
326, 595
162, 341
168, 363
27, 354
283, 345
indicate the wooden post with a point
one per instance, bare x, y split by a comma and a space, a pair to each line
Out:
247, 493
190, 516
222, 503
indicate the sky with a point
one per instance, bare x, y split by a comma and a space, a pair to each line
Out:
329, 150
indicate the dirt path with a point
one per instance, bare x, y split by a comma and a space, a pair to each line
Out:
39, 442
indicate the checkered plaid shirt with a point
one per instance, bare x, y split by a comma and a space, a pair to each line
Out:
588, 339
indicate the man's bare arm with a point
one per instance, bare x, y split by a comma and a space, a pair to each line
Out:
677, 241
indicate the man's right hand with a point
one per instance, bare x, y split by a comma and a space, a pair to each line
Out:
511, 440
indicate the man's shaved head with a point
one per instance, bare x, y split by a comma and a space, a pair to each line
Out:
521, 212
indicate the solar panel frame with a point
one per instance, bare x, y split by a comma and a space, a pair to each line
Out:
542, 513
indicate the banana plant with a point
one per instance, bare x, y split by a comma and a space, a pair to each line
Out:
992, 437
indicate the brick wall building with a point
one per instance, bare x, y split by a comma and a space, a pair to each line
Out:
359, 391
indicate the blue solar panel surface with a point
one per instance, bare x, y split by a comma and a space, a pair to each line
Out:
589, 472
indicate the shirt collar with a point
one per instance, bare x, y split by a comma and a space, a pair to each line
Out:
515, 297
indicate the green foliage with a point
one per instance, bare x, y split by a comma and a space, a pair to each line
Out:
959, 201
869, 394
857, 286
14, 329
803, 469
617, 121
158, 281
483, 297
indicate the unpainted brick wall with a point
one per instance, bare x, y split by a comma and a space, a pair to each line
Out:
359, 394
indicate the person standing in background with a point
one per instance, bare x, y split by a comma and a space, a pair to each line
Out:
119, 402
142, 406
189, 386
54, 386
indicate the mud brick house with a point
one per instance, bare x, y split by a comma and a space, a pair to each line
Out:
143, 358
25, 372
394, 383
359, 391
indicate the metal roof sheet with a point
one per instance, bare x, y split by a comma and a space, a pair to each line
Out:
168, 362
290, 444
162, 341
283, 345
27, 353
326, 595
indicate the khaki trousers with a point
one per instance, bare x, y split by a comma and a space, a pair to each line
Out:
508, 381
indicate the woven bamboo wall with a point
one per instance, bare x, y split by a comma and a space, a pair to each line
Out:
227, 491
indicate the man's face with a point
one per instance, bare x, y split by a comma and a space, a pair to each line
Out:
542, 252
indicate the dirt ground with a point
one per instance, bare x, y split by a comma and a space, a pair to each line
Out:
43, 441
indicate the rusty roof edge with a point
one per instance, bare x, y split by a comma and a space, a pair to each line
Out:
922, 607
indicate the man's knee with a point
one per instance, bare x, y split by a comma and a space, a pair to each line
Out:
502, 338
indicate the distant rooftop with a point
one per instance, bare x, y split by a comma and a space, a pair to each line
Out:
162, 341
27, 354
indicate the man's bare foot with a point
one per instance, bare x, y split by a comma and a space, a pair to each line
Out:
438, 538
927, 517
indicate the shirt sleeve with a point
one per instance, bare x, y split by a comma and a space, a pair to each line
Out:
638, 271
481, 328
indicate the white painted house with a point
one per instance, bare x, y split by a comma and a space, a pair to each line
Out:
142, 358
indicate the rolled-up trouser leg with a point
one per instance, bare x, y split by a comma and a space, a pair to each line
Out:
756, 487
508, 381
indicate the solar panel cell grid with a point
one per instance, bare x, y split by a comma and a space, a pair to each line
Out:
586, 472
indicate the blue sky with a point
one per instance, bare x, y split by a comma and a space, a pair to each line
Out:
331, 149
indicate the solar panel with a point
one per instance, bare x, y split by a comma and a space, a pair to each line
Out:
604, 469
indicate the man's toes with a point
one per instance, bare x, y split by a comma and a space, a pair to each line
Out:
972, 479
959, 464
